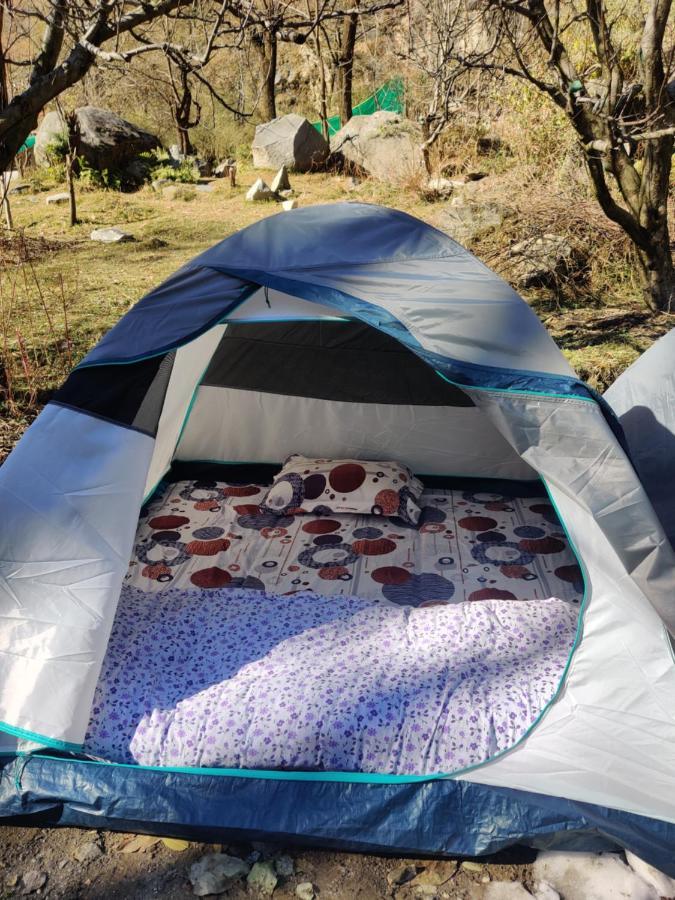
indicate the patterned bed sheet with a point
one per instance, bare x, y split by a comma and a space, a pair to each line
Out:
469, 545
247, 679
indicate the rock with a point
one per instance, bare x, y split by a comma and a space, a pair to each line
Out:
139, 842
505, 890
262, 878
290, 204
106, 140
19, 189
352, 183
175, 844
32, 881
111, 235
402, 875
260, 191
662, 884
436, 873
470, 866
214, 873
281, 182
204, 167
204, 188
175, 154
87, 853
63, 197
287, 195
383, 145
542, 890
542, 260
284, 865
12, 880
289, 141
438, 188
160, 183
467, 220
305, 891
590, 876
425, 890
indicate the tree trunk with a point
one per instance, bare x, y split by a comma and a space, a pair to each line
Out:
346, 65
658, 275
184, 142
266, 43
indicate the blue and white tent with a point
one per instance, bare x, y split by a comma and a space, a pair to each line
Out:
597, 769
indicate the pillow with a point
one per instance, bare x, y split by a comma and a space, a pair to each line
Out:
324, 487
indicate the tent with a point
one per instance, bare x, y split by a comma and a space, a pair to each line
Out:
597, 767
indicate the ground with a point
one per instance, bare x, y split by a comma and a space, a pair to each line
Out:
59, 292
153, 870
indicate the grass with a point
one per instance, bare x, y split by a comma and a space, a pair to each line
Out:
60, 291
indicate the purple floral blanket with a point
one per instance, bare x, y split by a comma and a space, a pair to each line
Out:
243, 679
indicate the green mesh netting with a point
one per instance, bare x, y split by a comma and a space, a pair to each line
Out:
388, 96
28, 143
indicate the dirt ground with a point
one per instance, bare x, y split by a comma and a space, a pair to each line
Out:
71, 864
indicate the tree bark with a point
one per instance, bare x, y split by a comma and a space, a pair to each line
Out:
346, 65
266, 44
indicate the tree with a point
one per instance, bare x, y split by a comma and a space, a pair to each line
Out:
73, 38
609, 72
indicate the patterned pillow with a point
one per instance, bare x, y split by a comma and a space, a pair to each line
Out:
324, 487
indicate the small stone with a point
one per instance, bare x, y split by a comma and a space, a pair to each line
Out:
32, 881
214, 873
402, 875
139, 842
110, 235
12, 880
426, 890
262, 878
305, 891
437, 188
286, 195
258, 191
289, 205
437, 873
63, 197
284, 866
469, 866
63, 863
175, 844
88, 852
281, 181
506, 890
544, 891
485, 879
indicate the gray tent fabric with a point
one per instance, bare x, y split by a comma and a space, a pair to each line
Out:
643, 397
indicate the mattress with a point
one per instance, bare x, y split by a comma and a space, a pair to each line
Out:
243, 678
473, 544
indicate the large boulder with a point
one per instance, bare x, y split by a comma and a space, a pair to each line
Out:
106, 140
384, 145
289, 141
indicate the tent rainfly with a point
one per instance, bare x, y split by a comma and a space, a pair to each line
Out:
597, 767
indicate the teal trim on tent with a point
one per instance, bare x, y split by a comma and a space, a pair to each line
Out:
389, 96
